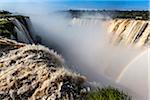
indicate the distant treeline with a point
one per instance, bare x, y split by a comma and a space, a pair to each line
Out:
4, 12
138, 15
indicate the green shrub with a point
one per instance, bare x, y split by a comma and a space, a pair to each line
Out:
3, 21
108, 93
6, 28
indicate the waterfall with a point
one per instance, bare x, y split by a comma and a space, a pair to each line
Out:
30, 28
86, 22
121, 31
129, 32
22, 32
144, 36
21, 36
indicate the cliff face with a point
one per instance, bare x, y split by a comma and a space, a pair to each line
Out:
15, 27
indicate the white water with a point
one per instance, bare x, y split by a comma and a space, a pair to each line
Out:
130, 32
87, 22
22, 32
21, 36
39, 74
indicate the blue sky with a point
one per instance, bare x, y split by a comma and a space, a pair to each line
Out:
108, 4
86, 4
63, 0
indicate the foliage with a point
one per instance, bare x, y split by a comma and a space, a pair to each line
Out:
3, 12
6, 28
108, 93
3, 22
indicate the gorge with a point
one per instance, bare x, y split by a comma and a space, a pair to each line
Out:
35, 72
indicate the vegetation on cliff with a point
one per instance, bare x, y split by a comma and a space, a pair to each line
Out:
6, 28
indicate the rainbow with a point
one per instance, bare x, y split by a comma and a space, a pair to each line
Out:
130, 63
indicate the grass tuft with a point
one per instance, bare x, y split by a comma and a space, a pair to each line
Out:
107, 93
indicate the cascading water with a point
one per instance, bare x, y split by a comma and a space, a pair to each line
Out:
21, 36
22, 32
122, 31
35, 72
30, 29
130, 32
86, 22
